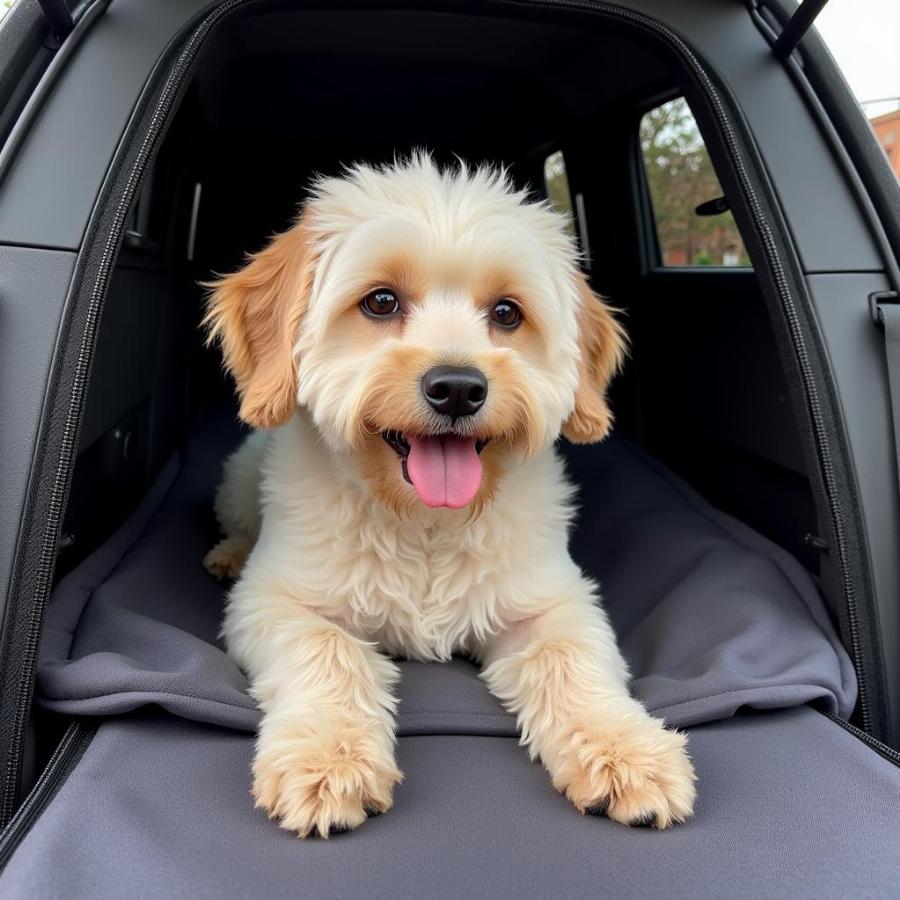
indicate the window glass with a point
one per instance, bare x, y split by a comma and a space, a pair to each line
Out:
865, 47
680, 177
887, 130
556, 183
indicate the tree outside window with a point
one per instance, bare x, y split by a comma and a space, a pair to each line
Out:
680, 176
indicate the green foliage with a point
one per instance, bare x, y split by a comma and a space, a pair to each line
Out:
680, 176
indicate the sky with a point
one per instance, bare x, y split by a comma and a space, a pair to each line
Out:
864, 38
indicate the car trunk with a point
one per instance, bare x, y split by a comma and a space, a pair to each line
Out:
704, 517
280, 96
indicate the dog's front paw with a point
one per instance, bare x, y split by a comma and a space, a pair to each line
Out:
324, 783
225, 561
637, 773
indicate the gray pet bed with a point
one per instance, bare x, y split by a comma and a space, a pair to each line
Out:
714, 620
711, 616
790, 806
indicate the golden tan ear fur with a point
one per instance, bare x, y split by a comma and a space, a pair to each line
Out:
603, 346
254, 314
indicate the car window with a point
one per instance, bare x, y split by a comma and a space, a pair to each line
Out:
887, 131
559, 193
556, 184
680, 178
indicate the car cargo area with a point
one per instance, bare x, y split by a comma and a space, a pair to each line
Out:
697, 515
282, 97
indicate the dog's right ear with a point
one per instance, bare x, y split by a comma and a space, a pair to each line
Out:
254, 314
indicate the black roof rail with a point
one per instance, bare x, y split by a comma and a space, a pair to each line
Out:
800, 22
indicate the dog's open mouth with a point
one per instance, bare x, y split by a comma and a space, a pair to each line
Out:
444, 469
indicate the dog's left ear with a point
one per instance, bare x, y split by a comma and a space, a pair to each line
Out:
603, 346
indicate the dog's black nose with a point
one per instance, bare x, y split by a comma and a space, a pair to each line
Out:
455, 391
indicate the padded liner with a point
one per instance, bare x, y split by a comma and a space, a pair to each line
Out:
789, 806
710, 615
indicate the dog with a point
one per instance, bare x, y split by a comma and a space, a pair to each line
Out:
409, 352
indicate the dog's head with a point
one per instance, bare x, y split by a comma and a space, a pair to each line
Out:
433, 323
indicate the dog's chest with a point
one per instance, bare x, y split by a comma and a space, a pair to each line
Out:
419, 591
432, 585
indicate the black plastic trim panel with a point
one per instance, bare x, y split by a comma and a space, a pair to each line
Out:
34, 103
58, 435
24, 55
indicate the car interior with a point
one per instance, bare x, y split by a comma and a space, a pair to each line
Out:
274, 103
703, 404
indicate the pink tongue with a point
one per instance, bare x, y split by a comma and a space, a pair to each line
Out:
445, 471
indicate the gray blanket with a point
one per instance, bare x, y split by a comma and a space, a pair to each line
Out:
711, 616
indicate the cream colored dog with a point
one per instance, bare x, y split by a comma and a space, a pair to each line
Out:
410, 350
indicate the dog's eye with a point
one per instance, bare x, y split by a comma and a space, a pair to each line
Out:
380, 303
506, 314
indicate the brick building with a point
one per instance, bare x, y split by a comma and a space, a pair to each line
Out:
887, 130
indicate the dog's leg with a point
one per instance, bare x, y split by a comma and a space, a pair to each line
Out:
561, 673
237, 508
325, 749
